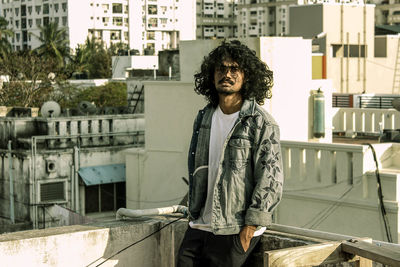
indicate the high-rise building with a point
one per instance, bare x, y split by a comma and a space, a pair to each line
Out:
216, 19
144, 25
263, 17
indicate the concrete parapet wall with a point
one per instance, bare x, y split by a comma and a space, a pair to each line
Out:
367, 120
333, 187
89, 245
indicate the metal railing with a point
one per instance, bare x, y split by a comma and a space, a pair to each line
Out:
380, 102
342, 101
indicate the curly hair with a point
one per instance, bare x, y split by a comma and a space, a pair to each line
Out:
258, 78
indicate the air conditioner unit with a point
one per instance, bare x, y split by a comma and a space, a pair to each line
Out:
52, 191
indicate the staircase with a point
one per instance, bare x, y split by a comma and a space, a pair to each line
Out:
396, 76
136, 97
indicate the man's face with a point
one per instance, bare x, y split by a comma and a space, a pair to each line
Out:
228, 77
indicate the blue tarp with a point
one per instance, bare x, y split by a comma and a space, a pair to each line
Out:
104, 174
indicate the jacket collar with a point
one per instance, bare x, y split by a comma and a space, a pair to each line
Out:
248, 108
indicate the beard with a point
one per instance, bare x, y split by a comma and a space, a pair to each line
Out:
225, 90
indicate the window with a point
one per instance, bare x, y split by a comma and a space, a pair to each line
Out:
17, 24
38, 9
45, 9
17, 36
105, 197
151, 35
115, 35
46, 21
117, 8
117, 21
105, 19
25, 36
56, 20
163, 20
56, 8
64, 21
348, 50
64, 7
30, 23
23, 10
152, 10
17, 11
152, 22
23, 23
38, 22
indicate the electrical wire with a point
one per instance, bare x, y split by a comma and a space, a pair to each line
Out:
318, 187
380, 196
325, 213
125, 248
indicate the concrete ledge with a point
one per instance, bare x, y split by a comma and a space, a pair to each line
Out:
89, 245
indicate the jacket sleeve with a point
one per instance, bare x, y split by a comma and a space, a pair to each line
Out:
268, 175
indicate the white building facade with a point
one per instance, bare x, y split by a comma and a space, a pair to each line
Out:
145, 25
216, 19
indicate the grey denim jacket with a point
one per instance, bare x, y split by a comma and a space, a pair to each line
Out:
249, 181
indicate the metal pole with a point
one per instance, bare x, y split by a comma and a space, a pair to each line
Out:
76, 175
154, 73
10, 172
169, 72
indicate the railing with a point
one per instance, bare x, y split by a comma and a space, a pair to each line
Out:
320, 163
342, 100
365, 120
381, 102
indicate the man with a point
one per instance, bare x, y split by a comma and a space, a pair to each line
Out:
235, 170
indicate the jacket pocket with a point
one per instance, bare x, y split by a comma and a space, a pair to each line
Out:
239, 153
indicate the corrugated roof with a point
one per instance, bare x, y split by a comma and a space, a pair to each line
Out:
104, 174
387, 29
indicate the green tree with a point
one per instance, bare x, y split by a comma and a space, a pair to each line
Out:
5, 32
93, 59
113, 94
54, 43
30, 79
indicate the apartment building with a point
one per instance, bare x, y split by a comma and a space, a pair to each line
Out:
263, 17
145, 25
387, 12
216, 19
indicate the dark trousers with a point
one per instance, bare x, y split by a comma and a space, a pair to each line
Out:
201, 248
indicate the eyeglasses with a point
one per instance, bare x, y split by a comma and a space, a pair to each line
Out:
226, 69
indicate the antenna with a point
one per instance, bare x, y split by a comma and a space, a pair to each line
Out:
50, 109
85, 108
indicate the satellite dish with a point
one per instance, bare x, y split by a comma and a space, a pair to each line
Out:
85, 107
111, 110
50, 109
396, 103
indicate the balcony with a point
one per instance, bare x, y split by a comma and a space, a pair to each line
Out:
208, 32
393, 19
253, 30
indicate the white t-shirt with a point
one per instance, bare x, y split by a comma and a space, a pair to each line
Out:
221, 125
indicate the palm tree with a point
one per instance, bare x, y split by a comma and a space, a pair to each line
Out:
5, 32
54, 42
